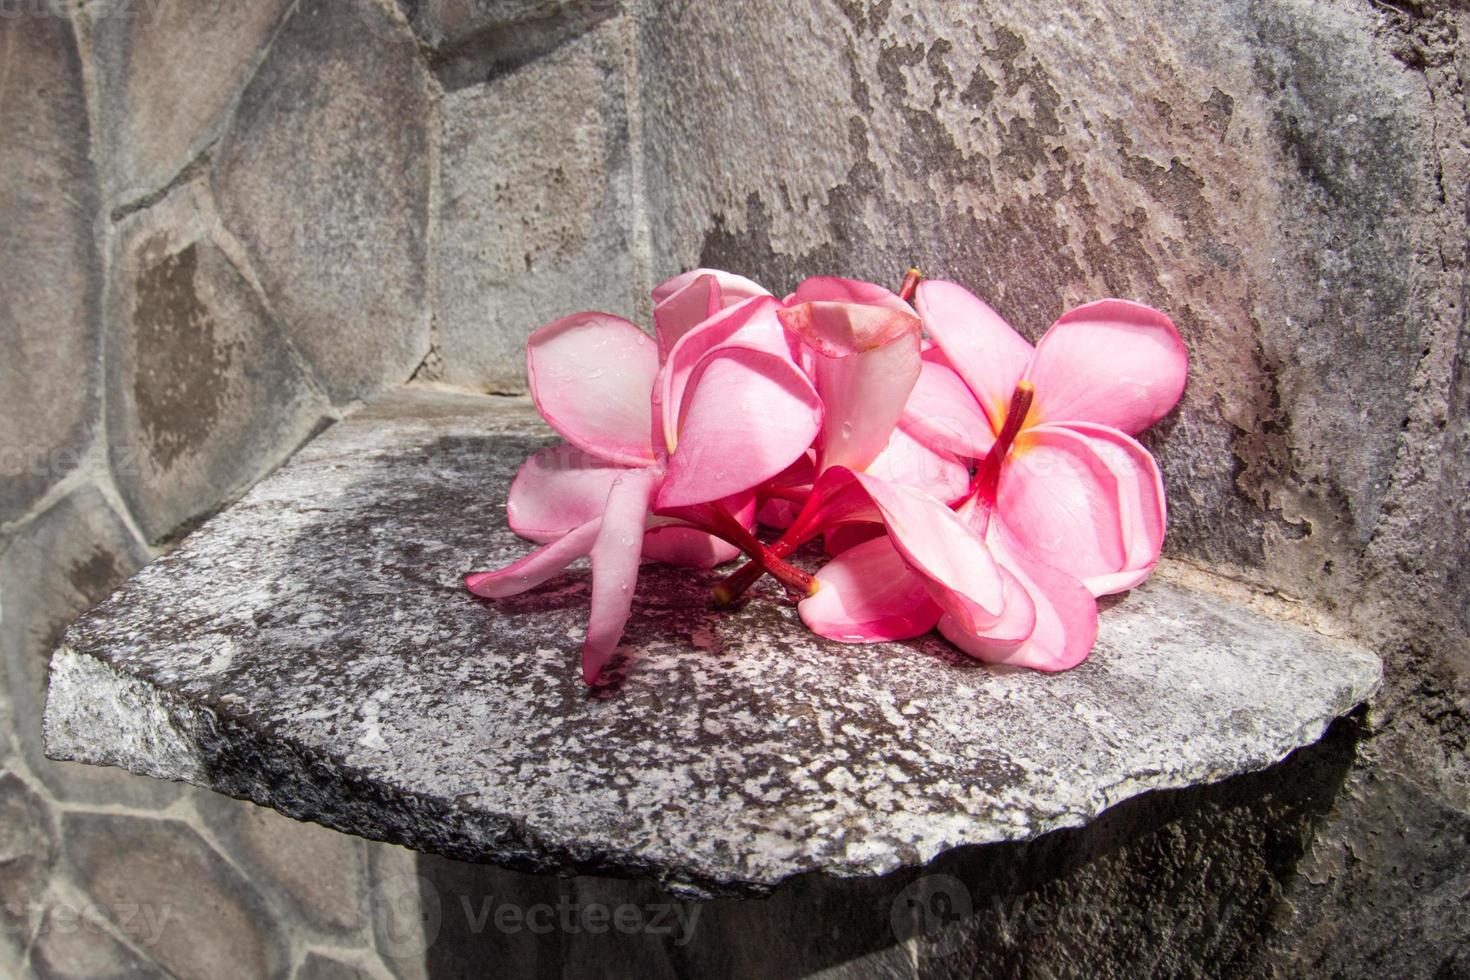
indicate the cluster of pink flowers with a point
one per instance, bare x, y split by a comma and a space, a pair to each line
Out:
959, 478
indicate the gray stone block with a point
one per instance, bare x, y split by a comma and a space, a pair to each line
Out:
204, 391
74, 943
533, 219
209, 918
27, 851
347, 679
324, 176
320, 966
57, 566
167, 74
473, 41
321, 874
52, 276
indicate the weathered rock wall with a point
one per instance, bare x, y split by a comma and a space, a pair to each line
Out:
1289, 181
215, 242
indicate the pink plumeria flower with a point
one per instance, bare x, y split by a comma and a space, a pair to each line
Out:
634, 481
918, 565
1074, 488
685, 301
861, 345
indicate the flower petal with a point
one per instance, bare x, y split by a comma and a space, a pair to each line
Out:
843, 329
942, 412
1142, 510
558, 489
615, 558
996, 642
865, 366
909, 462
986, 352
694, 548
748, 414
1061, 500
957, 567
836, 498
591, 376
733, 288
868, 594
1065, 612
537, 567
685, 309
687, 546
752, 323
835, 290
1114, 362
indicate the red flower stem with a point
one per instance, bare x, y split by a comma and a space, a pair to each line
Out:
765, 559
732, 586
910, 283
986, 482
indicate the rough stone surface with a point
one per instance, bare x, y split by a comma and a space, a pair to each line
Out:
50, 286
213, 917
345, 678
1246, 170
204, 391
1178, 883
322, 874
324, 176
533, 219
319, 966
167, 71
67, 558
1290, 181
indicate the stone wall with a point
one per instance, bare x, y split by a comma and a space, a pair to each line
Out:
229, 223
216, 242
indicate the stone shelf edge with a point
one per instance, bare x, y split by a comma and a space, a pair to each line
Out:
311, 649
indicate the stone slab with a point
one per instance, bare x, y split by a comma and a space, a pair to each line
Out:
311, 649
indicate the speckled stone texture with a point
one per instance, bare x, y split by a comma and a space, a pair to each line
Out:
311, 649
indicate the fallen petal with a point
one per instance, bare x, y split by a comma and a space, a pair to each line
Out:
959, 570
911, 463
865, 365
733, 288
836, 290
1142, 511
1065, 612
558, 489
751, 323
941, 411
1061, 499
685, 309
